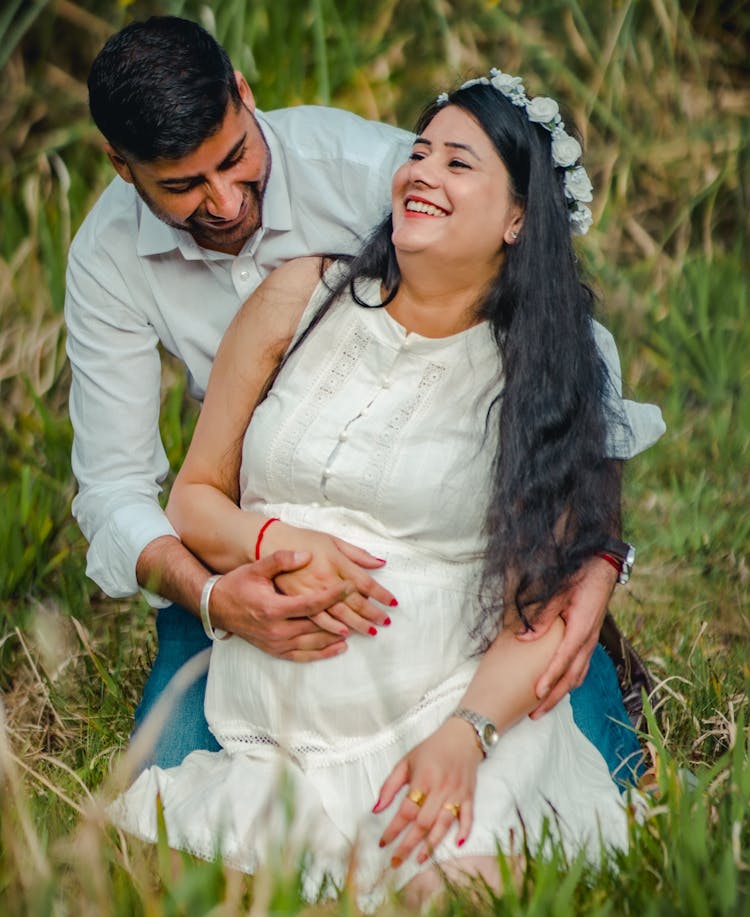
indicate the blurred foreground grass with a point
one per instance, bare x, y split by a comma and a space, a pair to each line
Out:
661, 92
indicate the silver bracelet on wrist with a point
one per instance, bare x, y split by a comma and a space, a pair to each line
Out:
205, 598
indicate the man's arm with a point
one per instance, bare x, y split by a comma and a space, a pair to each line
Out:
244, 601
119, 461
118, 457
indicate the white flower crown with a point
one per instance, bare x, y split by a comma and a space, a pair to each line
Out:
566, 150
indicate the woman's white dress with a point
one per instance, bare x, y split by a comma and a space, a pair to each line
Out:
377, 436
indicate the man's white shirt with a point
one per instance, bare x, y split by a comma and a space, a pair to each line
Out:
134, 282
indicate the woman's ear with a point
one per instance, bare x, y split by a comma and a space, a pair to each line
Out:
514, 229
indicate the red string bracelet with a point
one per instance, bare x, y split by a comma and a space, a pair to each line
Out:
262, 532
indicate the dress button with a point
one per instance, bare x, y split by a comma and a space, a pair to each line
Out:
343, 436
386, 383
244, 275
326, 472
315, 504
364, 412
407, 343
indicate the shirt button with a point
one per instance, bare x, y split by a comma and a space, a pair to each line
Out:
244, 275
407, 343
364, 412
326, 472
343, 437
386, 383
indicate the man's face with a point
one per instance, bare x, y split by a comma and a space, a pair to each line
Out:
216, 192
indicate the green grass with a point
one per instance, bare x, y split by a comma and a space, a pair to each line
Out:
661, 90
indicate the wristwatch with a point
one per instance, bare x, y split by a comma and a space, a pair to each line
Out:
487, 734
621, 555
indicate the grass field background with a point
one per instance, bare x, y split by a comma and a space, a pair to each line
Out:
661, 92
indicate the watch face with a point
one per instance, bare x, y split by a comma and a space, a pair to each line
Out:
490, 735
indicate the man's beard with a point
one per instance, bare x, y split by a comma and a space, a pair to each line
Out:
210, 234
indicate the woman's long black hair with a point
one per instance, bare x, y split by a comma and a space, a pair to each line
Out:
555, 498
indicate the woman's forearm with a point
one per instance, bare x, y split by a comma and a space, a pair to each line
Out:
503, 686
213, 527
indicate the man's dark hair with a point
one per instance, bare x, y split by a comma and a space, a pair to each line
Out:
159, 88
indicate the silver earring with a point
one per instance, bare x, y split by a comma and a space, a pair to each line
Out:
513, 234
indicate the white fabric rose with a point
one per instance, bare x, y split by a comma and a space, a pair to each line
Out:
580, 219
542, 110
475, 82
505, 82
565, 149
578, 186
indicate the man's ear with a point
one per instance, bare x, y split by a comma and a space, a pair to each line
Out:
246, 93
119, 164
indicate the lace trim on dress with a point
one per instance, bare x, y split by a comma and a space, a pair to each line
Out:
381, 457
310, 751
333, 376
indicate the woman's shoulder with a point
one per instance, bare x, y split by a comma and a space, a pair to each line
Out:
273, 311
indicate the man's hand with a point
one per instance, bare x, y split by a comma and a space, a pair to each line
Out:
582, 607
245, 602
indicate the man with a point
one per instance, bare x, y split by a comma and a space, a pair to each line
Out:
211, 195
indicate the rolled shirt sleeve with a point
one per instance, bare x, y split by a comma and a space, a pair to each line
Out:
118, 457
632, 426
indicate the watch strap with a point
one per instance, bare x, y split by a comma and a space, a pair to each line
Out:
482, 726
621, 555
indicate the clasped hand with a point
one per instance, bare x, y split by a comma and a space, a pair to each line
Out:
334, 561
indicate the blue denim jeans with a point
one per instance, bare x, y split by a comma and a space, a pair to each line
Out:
599, 713
180, 637
597, 704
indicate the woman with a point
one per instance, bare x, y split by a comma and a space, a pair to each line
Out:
446, 408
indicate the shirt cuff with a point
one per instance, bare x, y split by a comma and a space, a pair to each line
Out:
116, 547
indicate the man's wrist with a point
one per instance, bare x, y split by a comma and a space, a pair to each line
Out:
620, 555
167, 567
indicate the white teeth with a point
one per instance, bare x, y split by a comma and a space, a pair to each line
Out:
421, 207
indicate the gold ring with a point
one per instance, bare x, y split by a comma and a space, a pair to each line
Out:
453, 807
417, 797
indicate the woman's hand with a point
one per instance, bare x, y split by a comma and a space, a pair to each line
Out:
441, 774
333, 561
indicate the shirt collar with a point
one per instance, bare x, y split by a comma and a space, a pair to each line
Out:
157, 238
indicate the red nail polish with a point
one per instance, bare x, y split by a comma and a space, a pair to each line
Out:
372, 631
396, 862
460, 842
381, 559
381, 843
387, 622
393, 603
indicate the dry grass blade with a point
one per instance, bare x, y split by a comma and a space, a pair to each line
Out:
15, 804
